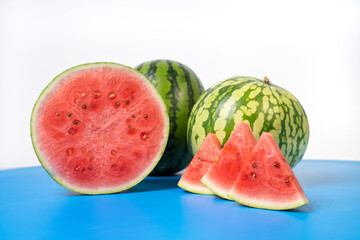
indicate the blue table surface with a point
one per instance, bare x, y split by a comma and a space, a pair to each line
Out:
33, 206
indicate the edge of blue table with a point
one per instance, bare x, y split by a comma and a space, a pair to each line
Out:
33, 206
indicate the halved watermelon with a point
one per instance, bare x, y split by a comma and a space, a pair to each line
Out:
99, 128
222, 173
199, 165
266, 179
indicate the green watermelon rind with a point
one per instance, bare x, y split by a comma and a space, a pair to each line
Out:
180, 88
219, 191
194, 189
271, 205
42, 158
206, 111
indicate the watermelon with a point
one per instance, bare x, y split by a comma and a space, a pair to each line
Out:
266, 179
180, 89
199, 165
265, 106
99, 128
223, 172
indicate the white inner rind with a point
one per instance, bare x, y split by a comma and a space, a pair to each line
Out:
194, 188
218, 190
267, 204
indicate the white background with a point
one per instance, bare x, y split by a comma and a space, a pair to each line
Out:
310, 48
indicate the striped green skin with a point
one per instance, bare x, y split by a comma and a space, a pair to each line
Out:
180, 88
266, 107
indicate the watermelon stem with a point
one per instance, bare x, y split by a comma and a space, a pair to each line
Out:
266, 80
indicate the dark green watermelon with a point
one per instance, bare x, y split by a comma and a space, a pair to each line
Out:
180, 89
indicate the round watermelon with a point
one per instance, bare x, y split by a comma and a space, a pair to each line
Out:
263, 105
99, 128
180, 88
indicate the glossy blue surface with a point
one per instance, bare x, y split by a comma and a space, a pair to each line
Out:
33, 206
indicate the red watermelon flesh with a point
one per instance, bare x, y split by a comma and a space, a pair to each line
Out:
266, 180
199, 165
99, 128
222, 173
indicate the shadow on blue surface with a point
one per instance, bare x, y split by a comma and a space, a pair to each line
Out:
304, 209
154, 184
148, 184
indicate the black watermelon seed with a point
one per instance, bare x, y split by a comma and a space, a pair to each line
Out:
72, 131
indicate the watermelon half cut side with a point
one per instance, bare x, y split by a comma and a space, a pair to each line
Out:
99, 128
199, 165
222, 173
266, 179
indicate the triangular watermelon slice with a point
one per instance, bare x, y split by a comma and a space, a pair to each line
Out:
222, 173
266, 180
199, 165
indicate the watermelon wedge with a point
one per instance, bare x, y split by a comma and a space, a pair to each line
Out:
266, 179
199, 165
99, 128
222, 173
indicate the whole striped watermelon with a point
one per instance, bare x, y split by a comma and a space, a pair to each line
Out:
265, 106
180, 88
